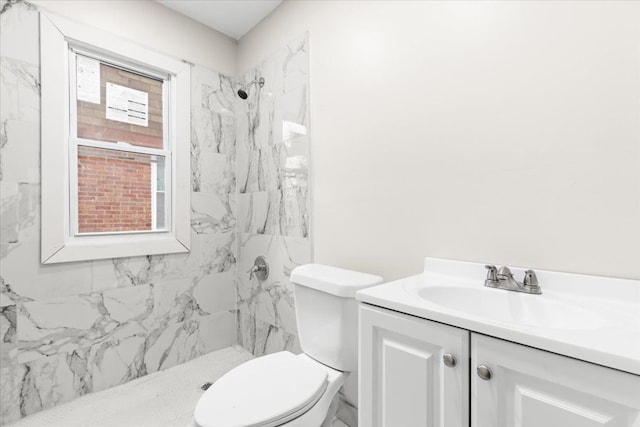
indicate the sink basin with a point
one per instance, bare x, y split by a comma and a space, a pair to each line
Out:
510, 307
590, 318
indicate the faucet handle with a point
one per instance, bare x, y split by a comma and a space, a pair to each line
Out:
530, 279
492, 273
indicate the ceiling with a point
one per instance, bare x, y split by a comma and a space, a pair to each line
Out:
231, 17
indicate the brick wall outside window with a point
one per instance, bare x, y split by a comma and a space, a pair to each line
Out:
114, 187
114, 194
92, 118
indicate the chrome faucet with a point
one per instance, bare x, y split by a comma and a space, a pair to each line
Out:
503, 279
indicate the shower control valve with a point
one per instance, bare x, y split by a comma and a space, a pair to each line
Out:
260, 269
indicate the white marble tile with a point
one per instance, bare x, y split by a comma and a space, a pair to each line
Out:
261, 338
28, 278
217, 331
7, 335
295, 211
271, 301
258, 167
130, 303
63, 325
295, 109
212, 173
295, 68
161, 341
252, 212
218, 93
116, 362
274, 194
215, 292
19, 121
180, 300
121, 272
212, 213
50, 381
11, 377
21, 90
214, 132
20, 160
173, 300
19, 214
85, 326
19, 35
259, 212
211, 253
252, 292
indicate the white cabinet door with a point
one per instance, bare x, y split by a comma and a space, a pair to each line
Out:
535, 388
404, 381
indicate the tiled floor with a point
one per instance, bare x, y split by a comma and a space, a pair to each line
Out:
162, 399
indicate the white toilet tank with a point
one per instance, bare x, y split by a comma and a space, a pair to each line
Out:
327, 312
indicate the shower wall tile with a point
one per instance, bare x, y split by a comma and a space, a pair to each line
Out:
73, 328
179, 300
53, 380
11, 378
116, 362
259, 212
270, 301
212, 213
295, 252
212, 172
17, 22
253, 211
295, 205
217, 331
179, 342
23, 273
258, 167
7, 334
273, 196
19, 214
262, 338
63, 325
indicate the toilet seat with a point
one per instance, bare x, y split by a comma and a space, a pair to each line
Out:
265, 392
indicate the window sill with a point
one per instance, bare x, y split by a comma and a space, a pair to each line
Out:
117, 246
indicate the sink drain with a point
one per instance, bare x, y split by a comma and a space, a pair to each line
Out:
205, 386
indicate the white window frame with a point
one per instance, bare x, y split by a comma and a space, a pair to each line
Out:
59, 204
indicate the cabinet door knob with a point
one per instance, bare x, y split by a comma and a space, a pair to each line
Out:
449, 360
484, 372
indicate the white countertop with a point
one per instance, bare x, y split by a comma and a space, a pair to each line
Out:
596, 319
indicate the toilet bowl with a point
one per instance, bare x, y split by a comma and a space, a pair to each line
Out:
281, 389
284, 389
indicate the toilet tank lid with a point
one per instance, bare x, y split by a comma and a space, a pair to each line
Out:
333, 280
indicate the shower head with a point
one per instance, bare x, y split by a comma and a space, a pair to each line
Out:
242, 92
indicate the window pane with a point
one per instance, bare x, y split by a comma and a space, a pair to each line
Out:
117, 191
128, 107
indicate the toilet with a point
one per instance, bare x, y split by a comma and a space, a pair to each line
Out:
289, 390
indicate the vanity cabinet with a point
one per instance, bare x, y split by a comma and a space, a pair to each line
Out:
530, 388
405, 380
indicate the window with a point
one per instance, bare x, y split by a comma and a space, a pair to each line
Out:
115, 169
118, 148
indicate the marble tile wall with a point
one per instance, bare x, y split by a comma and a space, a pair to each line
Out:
273, 196
70, 329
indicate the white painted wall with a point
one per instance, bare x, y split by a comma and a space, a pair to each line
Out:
505, 132
153, 25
